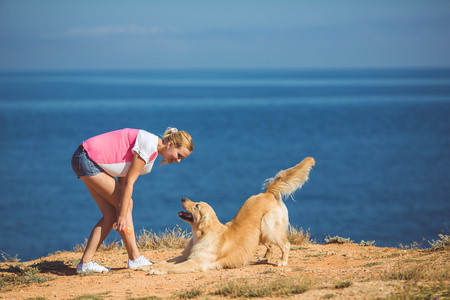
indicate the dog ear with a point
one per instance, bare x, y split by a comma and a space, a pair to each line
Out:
204, 225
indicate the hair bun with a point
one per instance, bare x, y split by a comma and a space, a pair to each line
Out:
169, 131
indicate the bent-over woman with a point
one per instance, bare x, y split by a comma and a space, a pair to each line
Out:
123, 154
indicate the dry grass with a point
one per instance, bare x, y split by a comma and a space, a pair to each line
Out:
174, 238
22, 275
299, 236
252, 288
443, 243
418, 270
438, 290
337, 240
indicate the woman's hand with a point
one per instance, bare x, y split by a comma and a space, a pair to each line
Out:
121, 224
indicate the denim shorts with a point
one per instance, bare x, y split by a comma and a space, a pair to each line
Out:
82, 164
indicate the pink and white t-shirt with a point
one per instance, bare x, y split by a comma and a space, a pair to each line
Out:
113, 151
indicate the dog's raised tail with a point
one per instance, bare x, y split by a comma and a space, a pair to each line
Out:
288, 181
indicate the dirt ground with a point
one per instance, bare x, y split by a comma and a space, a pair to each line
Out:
331, 271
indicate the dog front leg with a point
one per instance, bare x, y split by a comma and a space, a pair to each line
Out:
172, 261
184, 255
188, 266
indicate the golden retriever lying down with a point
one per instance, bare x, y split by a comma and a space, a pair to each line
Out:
263, 219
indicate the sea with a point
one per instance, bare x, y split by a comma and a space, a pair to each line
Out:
380, 138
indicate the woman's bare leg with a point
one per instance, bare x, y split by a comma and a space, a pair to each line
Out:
101, 229
107, 192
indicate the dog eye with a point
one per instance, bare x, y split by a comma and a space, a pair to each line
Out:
197, 206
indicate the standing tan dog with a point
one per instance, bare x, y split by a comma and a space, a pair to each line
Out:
263, 219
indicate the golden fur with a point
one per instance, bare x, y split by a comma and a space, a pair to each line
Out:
263, 219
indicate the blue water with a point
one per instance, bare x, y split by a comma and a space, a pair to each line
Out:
381, 140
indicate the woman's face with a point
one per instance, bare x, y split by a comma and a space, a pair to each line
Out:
173, 154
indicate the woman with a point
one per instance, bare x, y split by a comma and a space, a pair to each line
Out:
125, 154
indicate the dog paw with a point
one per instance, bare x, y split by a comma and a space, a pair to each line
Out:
282, 263
144, 268
156, 272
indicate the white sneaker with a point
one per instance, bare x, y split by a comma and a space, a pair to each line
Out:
91, 266
140, 262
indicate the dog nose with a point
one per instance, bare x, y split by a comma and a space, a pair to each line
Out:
183, 200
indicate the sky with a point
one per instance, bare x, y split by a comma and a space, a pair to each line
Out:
166, 34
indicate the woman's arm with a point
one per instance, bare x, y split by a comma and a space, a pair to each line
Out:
127, 182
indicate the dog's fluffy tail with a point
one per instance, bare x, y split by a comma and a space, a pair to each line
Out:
288, 181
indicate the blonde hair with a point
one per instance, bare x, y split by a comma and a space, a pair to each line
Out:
179, 138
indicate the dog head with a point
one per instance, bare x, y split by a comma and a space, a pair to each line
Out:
199, 215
